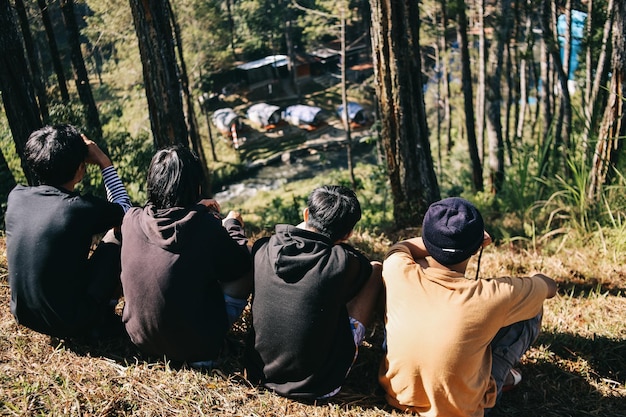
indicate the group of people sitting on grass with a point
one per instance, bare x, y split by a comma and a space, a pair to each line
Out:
186, 273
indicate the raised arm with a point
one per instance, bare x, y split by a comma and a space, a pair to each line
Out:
416, 247
116, 192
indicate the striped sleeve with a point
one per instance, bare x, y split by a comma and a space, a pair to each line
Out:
116, 193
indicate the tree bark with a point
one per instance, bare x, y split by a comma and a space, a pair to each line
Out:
613, 128
397, 68
231, 27
600, 74
31, 53
447, 116
160, 74
54, 51
567, 44
477, 169
494, 99
546, 90
524, 72
16, 86
81, 76
188, 105
481, 89
344, 100
563, 126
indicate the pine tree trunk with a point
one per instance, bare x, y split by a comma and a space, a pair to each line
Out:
80, 71
567, 43
511, 97
160, 74
54, 51
481, 89
563, 125
16, 86
494, 99
447, 116
525, 72
188, 105
397, 68
546, 91
477, 169
344, 101
613, 128
231, 27
35, 67
600, 74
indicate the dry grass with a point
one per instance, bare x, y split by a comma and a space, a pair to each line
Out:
577, 367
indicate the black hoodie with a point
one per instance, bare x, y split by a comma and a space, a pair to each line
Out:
303, 344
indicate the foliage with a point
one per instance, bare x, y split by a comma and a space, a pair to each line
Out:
7, 147
285, 205
206, 35
132, 158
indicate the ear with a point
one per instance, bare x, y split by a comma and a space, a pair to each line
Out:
80, 172
305, 214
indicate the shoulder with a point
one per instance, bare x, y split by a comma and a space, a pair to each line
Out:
399, 249
351, 259
399, 253
519, 287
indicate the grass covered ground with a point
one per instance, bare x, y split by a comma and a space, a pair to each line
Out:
576, 368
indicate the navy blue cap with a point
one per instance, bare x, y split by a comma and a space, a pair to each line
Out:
453, 230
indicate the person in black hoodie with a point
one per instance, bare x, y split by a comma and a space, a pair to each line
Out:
186, 274
58, 287
313, 297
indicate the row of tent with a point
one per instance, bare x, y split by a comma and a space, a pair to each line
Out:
268, 116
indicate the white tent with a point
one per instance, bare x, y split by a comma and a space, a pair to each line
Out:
224, 119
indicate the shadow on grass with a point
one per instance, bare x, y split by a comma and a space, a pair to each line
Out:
582, 287
563, 375
566, 378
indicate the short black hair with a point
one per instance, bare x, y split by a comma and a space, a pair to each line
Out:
54, 153
334, 210
174, 178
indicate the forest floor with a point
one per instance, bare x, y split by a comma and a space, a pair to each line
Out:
577, 367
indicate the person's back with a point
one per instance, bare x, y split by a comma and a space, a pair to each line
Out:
50, 227
177, 259
305, 279
440, 326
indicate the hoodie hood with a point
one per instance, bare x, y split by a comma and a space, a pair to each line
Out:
167, 228
295, 251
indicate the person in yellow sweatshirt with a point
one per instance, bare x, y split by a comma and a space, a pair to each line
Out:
452, 342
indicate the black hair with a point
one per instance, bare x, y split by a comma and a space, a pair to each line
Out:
334, 210
54, 153
174, 178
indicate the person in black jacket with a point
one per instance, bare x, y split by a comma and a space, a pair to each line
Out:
57, 288
186, 273
313, 297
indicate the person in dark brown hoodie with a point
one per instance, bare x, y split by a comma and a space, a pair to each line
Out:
186, 273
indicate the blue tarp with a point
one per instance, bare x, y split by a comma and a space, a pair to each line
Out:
578, 27
299, 114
